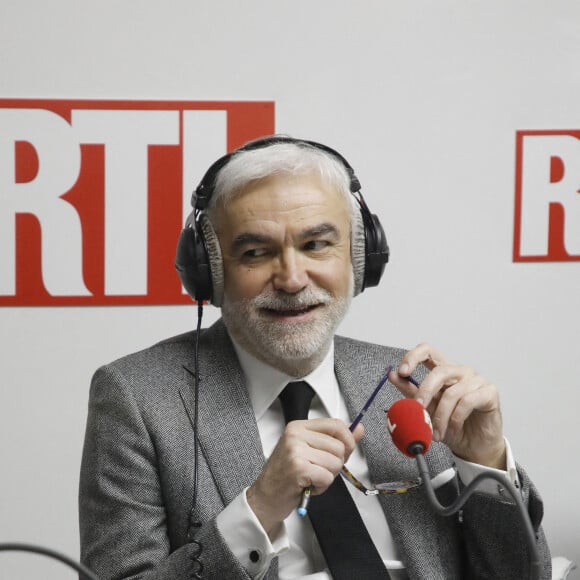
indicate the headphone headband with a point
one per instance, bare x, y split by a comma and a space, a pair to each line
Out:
201, 196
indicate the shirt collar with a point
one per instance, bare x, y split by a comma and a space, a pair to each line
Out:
265, 383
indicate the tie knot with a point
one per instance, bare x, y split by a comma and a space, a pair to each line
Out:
296, 398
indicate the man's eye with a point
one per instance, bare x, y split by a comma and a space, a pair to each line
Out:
255, 253
316, 245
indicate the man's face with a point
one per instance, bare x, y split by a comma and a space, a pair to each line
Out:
285, 242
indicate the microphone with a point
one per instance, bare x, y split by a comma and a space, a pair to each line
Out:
410, 427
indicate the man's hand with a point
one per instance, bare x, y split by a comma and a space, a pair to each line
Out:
464, 406
309, 453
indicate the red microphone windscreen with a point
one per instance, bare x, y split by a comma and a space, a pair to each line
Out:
408, 422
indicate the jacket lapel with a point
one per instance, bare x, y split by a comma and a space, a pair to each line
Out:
420, 545
227, 431
357, 381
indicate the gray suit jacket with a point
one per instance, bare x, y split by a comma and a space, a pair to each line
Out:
136, 483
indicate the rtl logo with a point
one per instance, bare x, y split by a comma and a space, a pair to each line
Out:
547, 210
93, 194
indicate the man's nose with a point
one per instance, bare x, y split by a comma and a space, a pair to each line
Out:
290, 274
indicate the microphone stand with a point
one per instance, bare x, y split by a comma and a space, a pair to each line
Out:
417, 450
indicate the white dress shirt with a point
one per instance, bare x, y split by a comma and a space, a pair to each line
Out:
299, 555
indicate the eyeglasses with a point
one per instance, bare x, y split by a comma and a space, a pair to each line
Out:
391, 487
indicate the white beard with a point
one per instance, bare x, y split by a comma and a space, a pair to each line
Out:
281, 344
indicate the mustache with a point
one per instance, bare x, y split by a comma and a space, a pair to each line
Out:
284, 301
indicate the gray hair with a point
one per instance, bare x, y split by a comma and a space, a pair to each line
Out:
279, 158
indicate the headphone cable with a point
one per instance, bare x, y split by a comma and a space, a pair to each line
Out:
17, 547
192, 523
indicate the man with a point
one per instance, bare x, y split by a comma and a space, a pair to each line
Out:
189, 469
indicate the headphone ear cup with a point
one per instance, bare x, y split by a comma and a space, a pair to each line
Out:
214, 256
192, 264
377, 252
358, 252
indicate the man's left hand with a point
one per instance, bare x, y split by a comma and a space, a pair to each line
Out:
463, 405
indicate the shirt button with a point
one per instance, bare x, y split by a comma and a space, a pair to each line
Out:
254, 556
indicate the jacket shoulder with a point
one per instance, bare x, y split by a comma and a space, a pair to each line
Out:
178, 349
167, 362
352, 346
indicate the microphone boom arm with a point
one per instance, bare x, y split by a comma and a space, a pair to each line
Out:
417, 449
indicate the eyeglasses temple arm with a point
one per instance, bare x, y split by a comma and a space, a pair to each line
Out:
371, 399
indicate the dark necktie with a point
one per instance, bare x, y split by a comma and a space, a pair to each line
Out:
343, 537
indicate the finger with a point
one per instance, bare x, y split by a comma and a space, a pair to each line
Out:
422, 353
323, 445
475, 428
330, 426
440, 380
405, 387
327, 461
321, 479
313, 468
358, 432
484, 400
331, 436
294, 465
336, 429
452, 406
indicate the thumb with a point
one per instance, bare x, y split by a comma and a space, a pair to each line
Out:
358, 432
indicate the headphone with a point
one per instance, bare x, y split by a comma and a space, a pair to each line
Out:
198, 258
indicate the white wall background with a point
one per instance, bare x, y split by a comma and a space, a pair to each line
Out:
424, 99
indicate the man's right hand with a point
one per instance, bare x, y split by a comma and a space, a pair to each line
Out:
310, 453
